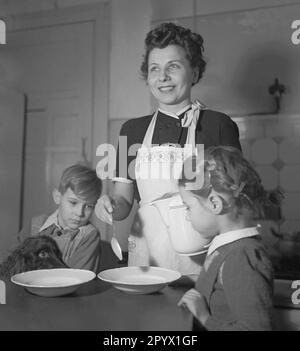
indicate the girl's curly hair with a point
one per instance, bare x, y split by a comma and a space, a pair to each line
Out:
225, 170
171, 34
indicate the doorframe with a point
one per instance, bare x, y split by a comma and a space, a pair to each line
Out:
100, 16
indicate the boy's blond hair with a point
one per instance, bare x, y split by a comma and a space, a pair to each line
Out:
83, 181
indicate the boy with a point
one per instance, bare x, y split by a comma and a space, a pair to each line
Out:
78, 240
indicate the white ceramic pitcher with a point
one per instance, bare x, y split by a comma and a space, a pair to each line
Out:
184, 238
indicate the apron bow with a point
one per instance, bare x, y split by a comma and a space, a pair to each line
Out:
192, 115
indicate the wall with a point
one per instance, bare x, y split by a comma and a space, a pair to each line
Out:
247, 45
17, 7
130, 22
173, 9
272, 144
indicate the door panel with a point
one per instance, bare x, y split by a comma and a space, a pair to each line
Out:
11, 142
55, 66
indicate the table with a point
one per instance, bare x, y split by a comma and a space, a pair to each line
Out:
95, 306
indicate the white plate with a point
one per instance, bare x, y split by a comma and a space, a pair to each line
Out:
53, 282
139, 280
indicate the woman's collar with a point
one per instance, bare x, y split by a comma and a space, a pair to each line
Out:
175, 115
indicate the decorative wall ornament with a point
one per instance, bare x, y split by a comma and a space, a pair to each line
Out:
276, 90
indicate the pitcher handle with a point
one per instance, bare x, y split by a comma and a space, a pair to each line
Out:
161, 216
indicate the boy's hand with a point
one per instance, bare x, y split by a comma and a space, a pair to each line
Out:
196, 304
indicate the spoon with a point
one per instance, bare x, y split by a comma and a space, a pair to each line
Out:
115, 244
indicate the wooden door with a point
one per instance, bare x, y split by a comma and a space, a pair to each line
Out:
11, 144
55, 66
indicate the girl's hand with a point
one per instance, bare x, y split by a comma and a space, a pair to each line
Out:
196, 304
104, 209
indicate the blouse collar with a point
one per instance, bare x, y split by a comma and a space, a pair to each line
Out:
231, 236
175, 115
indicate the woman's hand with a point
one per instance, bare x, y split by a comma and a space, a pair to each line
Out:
104, 209
196, 304
108, 208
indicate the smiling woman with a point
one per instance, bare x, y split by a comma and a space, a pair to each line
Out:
170, 77
173, 63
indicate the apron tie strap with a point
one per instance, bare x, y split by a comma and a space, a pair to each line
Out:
192, 115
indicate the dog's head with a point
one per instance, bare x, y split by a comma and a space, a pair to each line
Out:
37, 252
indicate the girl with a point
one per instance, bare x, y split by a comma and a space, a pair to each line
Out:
234, 288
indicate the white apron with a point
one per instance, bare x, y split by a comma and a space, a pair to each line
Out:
149, 243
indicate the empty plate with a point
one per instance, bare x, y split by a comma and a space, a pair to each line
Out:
139, 280
53, 282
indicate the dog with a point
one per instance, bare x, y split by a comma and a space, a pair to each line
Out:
36, 252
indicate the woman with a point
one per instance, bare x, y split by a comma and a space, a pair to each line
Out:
173, 63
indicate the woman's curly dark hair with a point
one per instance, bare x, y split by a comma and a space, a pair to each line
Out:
171, 34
